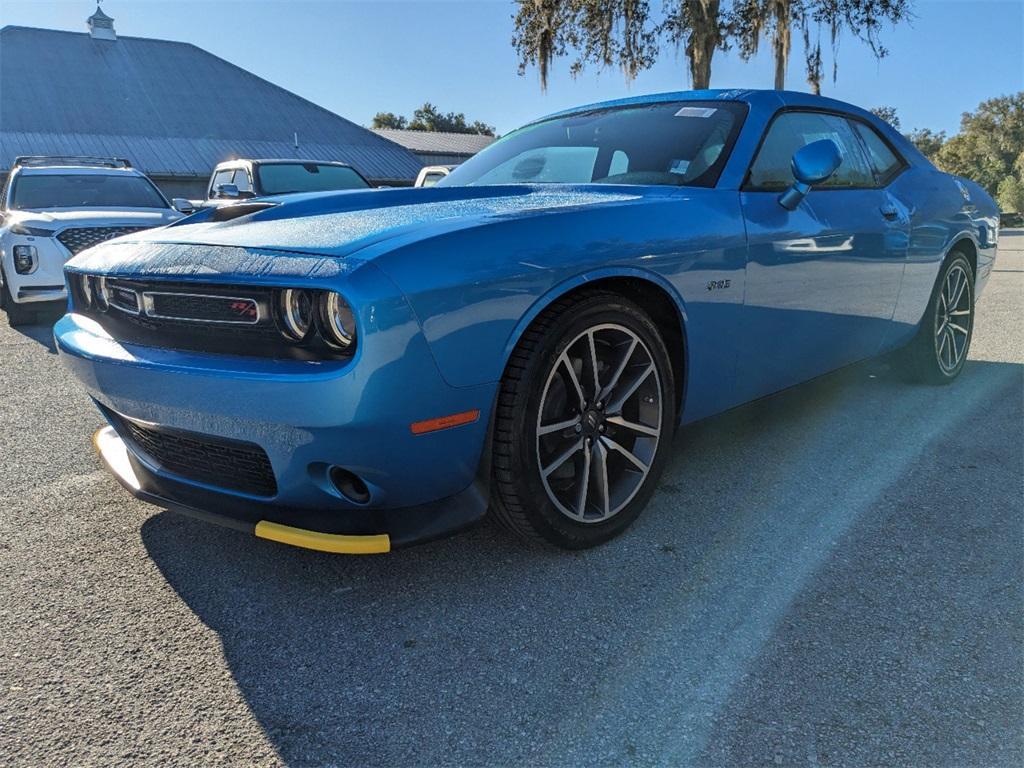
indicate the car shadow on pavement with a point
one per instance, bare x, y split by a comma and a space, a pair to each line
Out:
42, 329
793, 588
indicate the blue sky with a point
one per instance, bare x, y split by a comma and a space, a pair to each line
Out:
360, 57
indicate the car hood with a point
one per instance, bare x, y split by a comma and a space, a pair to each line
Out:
59, 218
340, 224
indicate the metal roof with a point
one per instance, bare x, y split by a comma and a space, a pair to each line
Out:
436, 142
172, 108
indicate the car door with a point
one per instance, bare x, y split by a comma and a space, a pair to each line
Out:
823, 279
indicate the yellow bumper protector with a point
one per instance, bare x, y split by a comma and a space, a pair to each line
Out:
324, 542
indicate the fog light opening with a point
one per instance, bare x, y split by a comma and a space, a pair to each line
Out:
350, 485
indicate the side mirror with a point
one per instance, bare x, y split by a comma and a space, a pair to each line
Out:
183, 205
228, 191
812, 164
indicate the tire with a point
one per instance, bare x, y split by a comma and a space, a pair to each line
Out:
541, 474
938, 352
17, 314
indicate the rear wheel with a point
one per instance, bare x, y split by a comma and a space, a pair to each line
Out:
584, 422
938, 352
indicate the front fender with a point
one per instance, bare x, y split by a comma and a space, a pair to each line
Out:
476, 290
592, 276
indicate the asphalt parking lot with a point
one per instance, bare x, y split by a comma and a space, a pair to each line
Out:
832, 576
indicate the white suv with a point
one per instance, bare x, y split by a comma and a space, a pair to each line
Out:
53, 207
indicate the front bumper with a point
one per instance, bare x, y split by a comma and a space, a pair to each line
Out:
353, 534
356, 415
46, 281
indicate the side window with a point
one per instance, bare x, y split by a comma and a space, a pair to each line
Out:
242, 180
220, 177
772, 169
884, 161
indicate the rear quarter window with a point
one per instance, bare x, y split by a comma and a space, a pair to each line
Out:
884, 162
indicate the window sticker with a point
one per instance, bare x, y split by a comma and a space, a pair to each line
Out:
696, 112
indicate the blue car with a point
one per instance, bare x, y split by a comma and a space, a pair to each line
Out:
361, 371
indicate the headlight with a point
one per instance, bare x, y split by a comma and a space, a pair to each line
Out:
24, 259
21, 229
296, 310
339, 326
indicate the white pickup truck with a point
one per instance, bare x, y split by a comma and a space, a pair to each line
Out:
236, 180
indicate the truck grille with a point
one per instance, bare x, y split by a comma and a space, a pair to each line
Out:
230, 464
77, 239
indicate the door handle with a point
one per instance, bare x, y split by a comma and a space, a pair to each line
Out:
889, 212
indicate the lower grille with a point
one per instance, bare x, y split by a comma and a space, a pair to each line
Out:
230, 464
77, 239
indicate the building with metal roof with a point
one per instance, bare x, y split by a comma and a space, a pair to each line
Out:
171, 108
435, 147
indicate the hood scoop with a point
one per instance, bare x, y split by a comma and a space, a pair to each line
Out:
238, 210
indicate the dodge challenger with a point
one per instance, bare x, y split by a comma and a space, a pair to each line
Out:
360, 371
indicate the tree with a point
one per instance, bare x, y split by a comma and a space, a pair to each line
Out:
429, 118
619, 33
990, 146
1010, 194
697, 27
888, 114
628, 35
750, 20
927, 141
388, 120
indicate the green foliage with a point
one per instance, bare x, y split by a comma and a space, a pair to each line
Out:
629, 35
388, 120
429, 118
1010, 194
888, 114
601, 32
779, 20
990, 146
928, 142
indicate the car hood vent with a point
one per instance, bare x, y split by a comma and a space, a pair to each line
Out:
236, 211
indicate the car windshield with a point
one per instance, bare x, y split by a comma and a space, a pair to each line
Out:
285, 178
675, 143
84, 190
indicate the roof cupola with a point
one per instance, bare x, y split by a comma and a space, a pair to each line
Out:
101, 26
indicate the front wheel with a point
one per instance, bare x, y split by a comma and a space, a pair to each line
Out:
584, 422
938, 352
17, 314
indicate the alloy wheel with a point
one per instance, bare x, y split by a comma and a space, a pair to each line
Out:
953, 319
599, 423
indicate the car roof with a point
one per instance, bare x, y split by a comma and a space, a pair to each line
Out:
274, 161
764, 99
91, 170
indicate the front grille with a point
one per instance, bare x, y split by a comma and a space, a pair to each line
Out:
200, 317
229, 464
209, 308
77, 239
